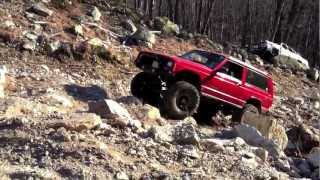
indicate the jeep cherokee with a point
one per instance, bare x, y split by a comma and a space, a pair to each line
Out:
180, 82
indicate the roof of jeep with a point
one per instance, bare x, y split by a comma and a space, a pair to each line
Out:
233, 59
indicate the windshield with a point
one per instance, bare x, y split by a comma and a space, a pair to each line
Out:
206, 58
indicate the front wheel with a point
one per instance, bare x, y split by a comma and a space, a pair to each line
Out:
146, 87
249, 111
181, 100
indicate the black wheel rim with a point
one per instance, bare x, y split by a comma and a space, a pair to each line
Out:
183, 101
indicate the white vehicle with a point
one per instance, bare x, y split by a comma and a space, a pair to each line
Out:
283, 54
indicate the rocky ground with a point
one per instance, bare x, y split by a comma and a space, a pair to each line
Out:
67, 112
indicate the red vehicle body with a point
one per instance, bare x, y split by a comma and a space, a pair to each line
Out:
227, 80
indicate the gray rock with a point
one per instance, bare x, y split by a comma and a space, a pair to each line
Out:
41, 9
189, 151
109, 109
29, 45
186, 133
78, 30
253, 137
166, 26
144, 36
121, 176
314, 157
96, 14
162, 133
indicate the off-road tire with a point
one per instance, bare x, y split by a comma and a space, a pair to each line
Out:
144, 85
181, 100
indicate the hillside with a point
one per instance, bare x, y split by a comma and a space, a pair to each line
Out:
62, 59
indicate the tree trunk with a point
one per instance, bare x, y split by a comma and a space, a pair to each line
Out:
278, 16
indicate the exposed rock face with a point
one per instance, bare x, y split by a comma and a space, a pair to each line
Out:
78, 122
268, 127
41, 9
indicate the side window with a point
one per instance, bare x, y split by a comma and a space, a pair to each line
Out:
233, 70
257, 80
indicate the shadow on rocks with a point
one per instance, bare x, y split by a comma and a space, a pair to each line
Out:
86, 93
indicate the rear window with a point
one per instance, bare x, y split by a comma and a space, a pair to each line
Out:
257, 80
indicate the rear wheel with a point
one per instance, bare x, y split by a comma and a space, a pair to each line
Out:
181, 100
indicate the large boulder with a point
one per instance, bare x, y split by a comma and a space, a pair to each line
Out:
253, 137
144, 37
166, 26
162, 133
111, 110
268, 127
186, 133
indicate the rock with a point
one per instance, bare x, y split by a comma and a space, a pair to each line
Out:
58, 100
248, 159
78, 30
304, 168
309, 137
96, 42
121, 176
186, 133
253, 137
128, 24
8, 24
316, 105
29, 45
316, 174
166, 26
268, 127
189, 151
96, 14
152, 113
314, 157
41, 9
144, 36
261, 153
54, 46
109, 109
98, 47
185, 35
77, 122
314, 74
213, 145
162, 133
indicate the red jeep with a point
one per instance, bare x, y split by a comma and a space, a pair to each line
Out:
180, 82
